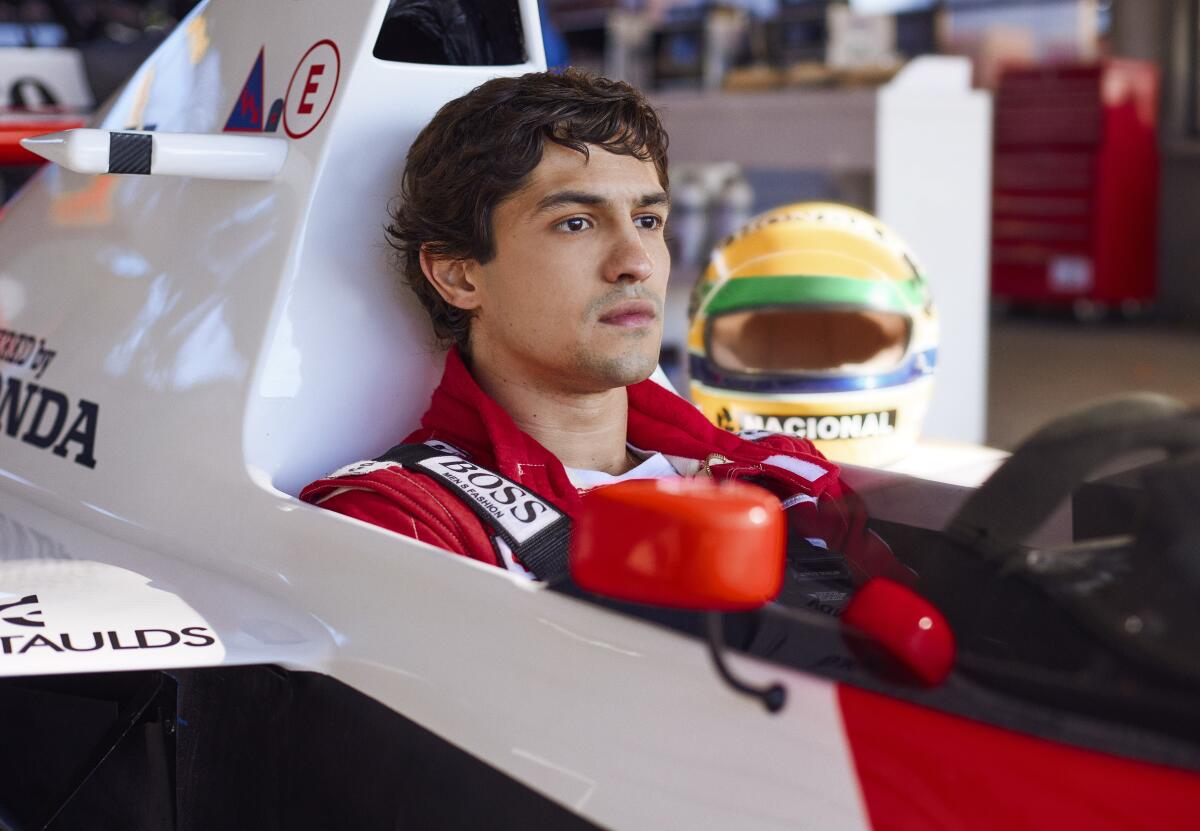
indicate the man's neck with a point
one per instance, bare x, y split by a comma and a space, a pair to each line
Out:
583, 430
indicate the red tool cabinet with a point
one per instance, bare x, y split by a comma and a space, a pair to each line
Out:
1075, 185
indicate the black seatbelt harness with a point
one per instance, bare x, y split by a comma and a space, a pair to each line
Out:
536, 532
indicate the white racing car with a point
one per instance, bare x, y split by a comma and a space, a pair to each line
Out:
198, 316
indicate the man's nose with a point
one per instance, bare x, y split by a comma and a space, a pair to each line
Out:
628, 260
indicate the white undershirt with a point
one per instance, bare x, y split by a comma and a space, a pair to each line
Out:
652, 466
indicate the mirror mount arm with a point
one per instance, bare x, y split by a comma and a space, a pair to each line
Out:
773, 696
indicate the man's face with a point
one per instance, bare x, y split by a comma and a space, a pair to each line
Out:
573, 299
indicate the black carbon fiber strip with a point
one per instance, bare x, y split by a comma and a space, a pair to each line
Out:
130, 153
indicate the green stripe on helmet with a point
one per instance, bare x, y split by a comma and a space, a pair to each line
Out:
880, 295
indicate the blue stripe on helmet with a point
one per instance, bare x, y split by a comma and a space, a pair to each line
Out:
917, 366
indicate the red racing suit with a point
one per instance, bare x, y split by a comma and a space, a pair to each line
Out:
820, 507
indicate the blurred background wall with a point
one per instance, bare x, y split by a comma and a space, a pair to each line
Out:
1165, 33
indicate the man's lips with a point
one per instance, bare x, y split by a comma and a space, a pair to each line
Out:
630, 313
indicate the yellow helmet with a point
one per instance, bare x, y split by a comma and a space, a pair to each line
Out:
815, 320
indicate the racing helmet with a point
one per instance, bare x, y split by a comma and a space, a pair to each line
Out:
814, 320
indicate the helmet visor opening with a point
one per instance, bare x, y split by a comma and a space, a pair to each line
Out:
825, 341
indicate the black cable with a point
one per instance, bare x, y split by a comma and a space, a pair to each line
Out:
773, 696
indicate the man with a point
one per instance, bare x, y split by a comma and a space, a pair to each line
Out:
531, 228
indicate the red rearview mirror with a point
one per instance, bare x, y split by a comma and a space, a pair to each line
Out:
905, 627
686, 543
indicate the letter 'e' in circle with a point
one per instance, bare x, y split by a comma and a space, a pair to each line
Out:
310, 92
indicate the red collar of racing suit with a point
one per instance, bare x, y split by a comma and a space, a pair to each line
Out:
463, 415
819, 507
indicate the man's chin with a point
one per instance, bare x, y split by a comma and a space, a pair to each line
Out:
620, 370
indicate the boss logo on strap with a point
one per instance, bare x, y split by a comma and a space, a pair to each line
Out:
521, 514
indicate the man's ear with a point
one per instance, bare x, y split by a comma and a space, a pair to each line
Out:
452, 278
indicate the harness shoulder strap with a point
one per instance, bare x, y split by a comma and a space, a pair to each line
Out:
535, 530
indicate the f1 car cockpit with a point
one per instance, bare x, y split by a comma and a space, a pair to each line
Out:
1066, 594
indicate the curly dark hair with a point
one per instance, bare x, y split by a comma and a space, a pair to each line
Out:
480, 149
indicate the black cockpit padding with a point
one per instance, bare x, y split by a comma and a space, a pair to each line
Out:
452, 33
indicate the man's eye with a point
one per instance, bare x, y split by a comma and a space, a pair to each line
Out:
575, 224
649, 222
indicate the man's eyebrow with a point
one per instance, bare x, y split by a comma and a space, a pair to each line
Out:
568, 197
660, 198
581, 197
